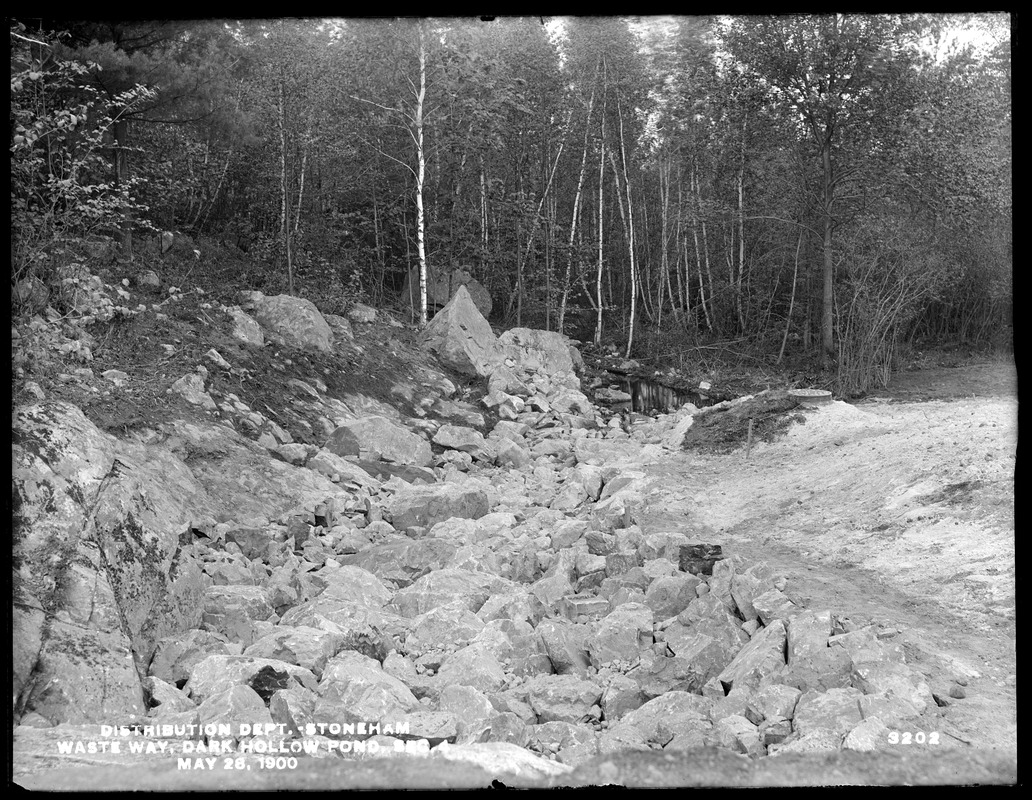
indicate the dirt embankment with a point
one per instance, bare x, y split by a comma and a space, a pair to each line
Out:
900, 513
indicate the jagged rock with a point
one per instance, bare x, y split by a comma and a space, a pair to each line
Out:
444, 586
340, 327
84, 674
738, 734
245, 328
364, 629
163, 697
455, 458
346, 583
457, 437
507, 406
620, 697
894, 680
434, 726
457, 409
28, 619
889, 708
775, 701
384, 471
378, 438
506, 727
426, 506
355, 688
747, 585
679, 715
506, 429
514, 701
473, 665
175, 656
329, 464
216, 673
621, 635
307, 647
772, 605
563, 698
774, 731
699, 559
504, 380
868, 736
735, 702
470, 706
567, 533
863, 646
682, 673
835, 710
404, 561
297, 321
462, 338
509, 453
233, 610
442, 283
572, 744
448, 625
545, 352
569, 497
669, 596
516, 604
294, 707
808, 635
763, 656
824, 669
233, 705
296, 453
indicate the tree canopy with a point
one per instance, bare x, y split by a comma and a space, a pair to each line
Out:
833, 185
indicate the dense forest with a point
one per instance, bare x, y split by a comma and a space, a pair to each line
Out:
836, 187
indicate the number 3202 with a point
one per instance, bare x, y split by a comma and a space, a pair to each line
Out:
913, 737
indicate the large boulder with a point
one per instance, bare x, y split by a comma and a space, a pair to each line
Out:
425, 506
441, 286
96, 548
382, 439
543, 352
298, 322
462, 338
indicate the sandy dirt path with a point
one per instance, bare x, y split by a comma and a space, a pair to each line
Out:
896, 513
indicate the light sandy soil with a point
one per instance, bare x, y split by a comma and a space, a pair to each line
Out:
897, 513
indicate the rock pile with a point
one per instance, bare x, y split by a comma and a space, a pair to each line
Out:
486, 598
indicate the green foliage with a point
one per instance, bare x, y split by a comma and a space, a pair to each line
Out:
60, 185
291, 141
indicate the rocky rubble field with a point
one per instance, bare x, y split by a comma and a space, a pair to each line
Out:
475, 588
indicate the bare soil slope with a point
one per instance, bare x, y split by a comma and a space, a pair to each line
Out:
897, 510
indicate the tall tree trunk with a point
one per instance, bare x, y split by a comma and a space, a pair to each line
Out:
827, 329
598, 274
576, 208
741, 235
378, 243
711, 312
420, 179
284, 188
791, 302
484, 243
630, 237
301, 188
120, 131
